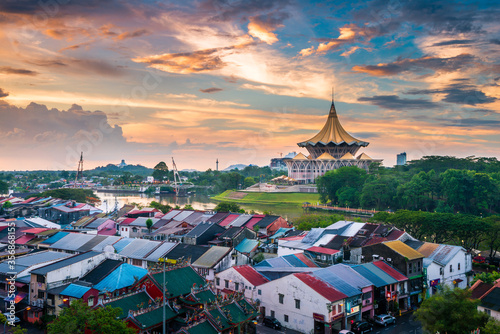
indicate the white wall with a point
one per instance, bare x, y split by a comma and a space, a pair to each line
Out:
493, 313
447, 277
233, 277
292, 288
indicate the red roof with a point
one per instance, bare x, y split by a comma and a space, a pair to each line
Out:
322, 250
293, 238
31, 199
321, 287
229, 219
250, 274
127, 221
107, 231
305, 260
375, 240
24, 239
254, 220
395, 235
36, 230
390, 271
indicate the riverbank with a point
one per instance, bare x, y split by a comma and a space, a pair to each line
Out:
273, 198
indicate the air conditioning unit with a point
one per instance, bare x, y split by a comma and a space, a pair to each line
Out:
389, 259
359, 301
375, 256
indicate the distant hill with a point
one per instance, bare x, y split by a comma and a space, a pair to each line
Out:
237, 166
134, 169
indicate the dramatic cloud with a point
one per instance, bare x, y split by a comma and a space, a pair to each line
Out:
224, 10
3, 93
394, 102
132, 34
262, 26
19, 71
459, 94
419, 64
58, 134
211, 90
191, 62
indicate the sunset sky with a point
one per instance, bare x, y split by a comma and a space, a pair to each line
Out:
243, 80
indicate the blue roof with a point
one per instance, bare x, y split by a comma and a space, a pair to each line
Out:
56, 237
75, 290
280, 232
337, 282
123, 276
349, 275
377, 276
294, 261
120, 245
247, 245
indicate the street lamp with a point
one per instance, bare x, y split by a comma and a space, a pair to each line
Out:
163, 259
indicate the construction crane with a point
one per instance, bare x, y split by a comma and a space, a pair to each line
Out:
177, 179
79, 171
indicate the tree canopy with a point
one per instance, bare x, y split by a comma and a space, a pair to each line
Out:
228, 207
79, 317
4, 187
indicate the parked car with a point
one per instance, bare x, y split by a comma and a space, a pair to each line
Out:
346, 331
271, 322
361, 327
384, 319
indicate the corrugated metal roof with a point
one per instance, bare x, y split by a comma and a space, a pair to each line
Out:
108, 241
102, 270
229, 219
445, 253
24, 239
427, 248
96, 223
326, 290
199, 230
294, 261
241, 220
56, 237
218, 217
403, 249
163, 249
247, 245
280, 232
337, 282
313, 235
391, 271
75, 290
212, 256
252, 222
307, 261
349, 275
73, 241
352, 229
141, 221
324, 240
193, 217
184, 214
204, 218
251, 275
91, 243
322, 250
374, 274
139, 248
171, 214
121, 244
123, 276
266, 221
39, 257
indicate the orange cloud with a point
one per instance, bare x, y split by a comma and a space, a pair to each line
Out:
262, 30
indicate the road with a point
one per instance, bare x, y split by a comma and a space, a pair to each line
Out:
405, 324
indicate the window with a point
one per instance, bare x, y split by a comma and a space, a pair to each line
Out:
236, 286
487, 311
418, 265
281, 297
339, 308
459, 266
440, 271
91, 301
41, 294
40, 279
217, 281
259, 292
226, 284
297, 303
451, 268
272, 313
367, 295
286, 318
136, 262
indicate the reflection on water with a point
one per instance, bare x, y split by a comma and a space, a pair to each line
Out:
197, 201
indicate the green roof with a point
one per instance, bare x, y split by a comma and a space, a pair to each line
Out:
217, 315
155, 317
206, 296
237, 315
179, 281
130, 303
202, 328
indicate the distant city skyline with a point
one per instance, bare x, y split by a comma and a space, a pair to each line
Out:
243, 81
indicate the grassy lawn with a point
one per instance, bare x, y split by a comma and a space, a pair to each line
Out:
269, 198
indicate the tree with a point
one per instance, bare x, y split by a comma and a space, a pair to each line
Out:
4, 187
493, 234
149, 224
79, 317
228, 207
249, 181
332, 183
162, 207
160, 171
452, 312
188, 207
7, 205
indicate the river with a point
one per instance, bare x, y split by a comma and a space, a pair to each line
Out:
197, 201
